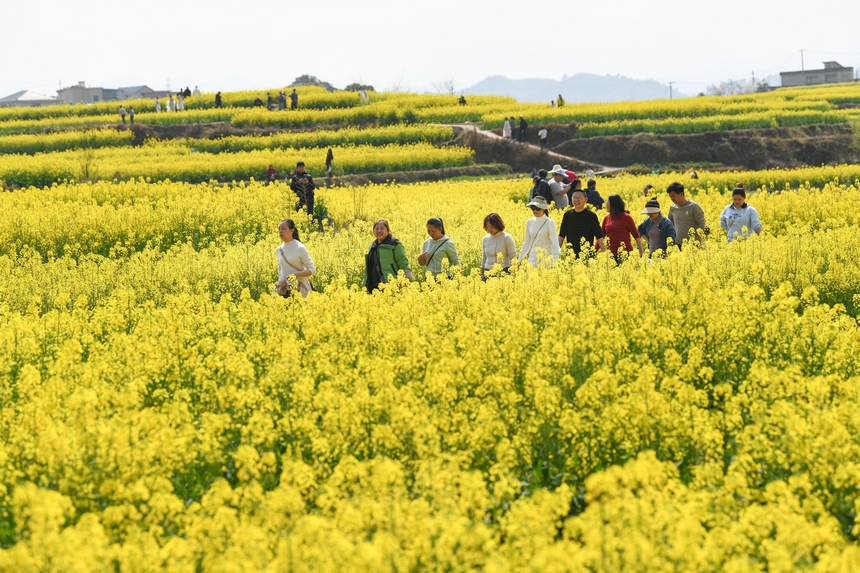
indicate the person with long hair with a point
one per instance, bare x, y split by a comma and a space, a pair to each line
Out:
541, 235
295, 264
618, 227
385, 258
498, 247
438, 247
739, 216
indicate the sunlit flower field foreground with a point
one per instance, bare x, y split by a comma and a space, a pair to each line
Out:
161, 411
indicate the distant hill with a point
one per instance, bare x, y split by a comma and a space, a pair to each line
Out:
577, 88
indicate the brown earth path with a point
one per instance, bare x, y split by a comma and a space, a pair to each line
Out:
603, 169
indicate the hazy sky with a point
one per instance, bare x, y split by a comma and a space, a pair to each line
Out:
415, 45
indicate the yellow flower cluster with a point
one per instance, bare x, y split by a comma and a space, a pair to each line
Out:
178, 161
61, 141
160, 410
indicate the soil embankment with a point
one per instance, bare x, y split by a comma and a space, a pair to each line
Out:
748, 148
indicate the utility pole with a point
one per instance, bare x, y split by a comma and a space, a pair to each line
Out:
670, 89
802, 69
753, 85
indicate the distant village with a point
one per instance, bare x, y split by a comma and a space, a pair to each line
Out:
831, 73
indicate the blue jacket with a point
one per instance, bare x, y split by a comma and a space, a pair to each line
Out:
666, 228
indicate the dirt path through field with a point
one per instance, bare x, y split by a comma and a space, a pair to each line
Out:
598, 169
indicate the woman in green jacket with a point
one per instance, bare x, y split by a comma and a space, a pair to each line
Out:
385, 258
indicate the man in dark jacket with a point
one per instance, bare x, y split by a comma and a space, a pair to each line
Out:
594, 197
303, 186
294, 99
523, 126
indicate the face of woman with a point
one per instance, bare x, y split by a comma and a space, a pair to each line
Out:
490, 229
537, 212
380, 232
434, 232
738, 201
286, 233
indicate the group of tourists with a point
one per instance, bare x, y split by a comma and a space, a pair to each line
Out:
281, 103
581, 230
511, 131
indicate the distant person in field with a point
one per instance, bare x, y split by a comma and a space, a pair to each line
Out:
157, 105
271, 174
258, 102
329, 157
541, 186
656, 229
506, 129
218, 99
295, 264
542, 137
122, 113
171, 105
560, 101
180, 102
579, 225
740, 219
196, 92
558, 189
534, 173
618, 227
498, 247
646, 191
541, 238
693, 174
523, 127
552, 104
186, 93
438, 247
303, 186
385, 258
269, 100
594, 197
131, 114
282, 100
687, 215
515, 131
294, 99
462, 100
363, 98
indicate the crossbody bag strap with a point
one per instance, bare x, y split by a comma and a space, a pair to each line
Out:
536, 234
283, 256
439, 246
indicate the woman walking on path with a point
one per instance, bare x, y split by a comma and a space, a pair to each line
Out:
618, 226
498, 247
329, 157
294, 261
506, 130
739, 216
540, 234
437, 247
385, 258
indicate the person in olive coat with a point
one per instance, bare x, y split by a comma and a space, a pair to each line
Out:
385, 258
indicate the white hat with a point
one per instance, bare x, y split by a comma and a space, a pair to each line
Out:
538, 202
559, 171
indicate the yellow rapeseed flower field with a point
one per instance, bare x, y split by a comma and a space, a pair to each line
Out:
161, 411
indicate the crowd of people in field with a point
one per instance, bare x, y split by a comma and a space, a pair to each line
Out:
581, 231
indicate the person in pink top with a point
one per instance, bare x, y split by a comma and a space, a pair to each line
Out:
618, 226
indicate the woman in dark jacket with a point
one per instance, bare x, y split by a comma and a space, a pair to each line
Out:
385, 258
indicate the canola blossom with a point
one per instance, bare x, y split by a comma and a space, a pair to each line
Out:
160, 410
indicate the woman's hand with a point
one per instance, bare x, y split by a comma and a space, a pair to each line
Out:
422, 258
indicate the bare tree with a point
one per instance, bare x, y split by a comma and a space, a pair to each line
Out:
445, 87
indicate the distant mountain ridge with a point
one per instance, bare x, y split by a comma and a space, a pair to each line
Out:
576, 88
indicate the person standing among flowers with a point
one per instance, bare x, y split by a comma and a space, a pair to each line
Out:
618, 226
580, 224
294, 261
540, 234
498, 247
385, 258
685, 214
739, 216
302, 184
656, 229
437, 247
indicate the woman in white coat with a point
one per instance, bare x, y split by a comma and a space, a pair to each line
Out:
295, 265
541, 239
506, 130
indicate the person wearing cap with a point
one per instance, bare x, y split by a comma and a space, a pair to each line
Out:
498, 246
618, 226
594, 197
557, 189
656, 229
739, 216
580, 224
439, 246
303, 186
540, 234
685, 214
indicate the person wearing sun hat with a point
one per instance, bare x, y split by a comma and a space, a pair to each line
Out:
656, 229
558, 189
540, 234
